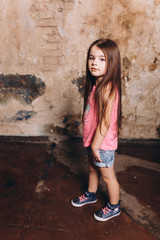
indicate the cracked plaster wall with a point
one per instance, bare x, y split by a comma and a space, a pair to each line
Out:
48, 40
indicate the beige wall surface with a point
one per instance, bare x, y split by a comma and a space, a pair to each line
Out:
43, 45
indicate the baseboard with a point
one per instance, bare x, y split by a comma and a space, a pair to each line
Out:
20, 139
47, 139
139, 141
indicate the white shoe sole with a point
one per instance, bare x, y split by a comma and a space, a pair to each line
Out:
78, 205
103, 219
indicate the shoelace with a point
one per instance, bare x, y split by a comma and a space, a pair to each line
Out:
106, 210
81, 198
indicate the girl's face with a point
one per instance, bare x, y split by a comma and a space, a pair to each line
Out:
97, 63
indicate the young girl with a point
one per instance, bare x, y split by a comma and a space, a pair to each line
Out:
100, 124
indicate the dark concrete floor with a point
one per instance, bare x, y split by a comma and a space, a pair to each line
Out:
138, 181
36, 189
149, 152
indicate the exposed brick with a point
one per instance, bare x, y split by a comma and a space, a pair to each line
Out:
53, 38
69, 5
61, 60
53, 46
44, 14
46, 22
46, 30
50, 52
39, 6
49, 68
43, 1
51, 60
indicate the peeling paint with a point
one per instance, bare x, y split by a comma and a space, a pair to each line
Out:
24, 88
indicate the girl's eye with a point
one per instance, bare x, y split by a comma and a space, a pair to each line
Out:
91, 58
102, 59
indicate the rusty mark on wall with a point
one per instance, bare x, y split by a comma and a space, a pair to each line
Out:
153, 65
24, 88
126, 63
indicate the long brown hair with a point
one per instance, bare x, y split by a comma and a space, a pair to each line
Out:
112, 76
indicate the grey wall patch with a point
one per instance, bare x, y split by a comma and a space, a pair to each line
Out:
24, 88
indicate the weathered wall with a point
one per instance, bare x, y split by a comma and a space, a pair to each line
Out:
42, 60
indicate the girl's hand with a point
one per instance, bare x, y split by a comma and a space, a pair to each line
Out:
96, 155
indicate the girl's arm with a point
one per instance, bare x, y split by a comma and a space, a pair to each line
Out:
101, 133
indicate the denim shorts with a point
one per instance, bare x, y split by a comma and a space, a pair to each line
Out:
107, 157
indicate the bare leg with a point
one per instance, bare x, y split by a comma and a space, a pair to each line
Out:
109, 178
93, 176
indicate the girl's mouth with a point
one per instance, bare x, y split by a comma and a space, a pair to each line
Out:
94, 69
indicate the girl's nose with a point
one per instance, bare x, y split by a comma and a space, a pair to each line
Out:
94, 62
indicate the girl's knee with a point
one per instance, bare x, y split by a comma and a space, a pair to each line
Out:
107, 178
108, 175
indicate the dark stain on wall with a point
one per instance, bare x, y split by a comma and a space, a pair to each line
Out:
80, 84
71, 125
126, 63
24, 88
71, 128
153, 65
158, 130
22, 115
